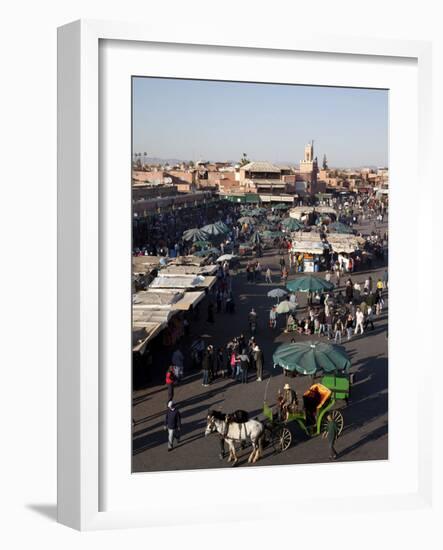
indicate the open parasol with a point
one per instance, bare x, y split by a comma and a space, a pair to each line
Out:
195, 234
309, 283
312, 357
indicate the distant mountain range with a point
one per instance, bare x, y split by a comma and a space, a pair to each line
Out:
157, 160
172, 161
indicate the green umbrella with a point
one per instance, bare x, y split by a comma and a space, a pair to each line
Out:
272, 234
212, 230
309, 283
291, 224
273, 218
310, 357
223, 227
281, 206
339, 227
195, 235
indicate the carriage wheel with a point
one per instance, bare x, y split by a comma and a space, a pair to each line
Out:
282, 439
338, 419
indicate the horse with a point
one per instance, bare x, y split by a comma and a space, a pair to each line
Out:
252, 430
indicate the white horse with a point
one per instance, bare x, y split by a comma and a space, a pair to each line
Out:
252, 430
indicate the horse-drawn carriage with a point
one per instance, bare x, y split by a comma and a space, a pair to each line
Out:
319, 402
332, 388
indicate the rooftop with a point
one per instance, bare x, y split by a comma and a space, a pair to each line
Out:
261, 166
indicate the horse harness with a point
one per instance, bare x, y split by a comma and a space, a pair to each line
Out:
238, 417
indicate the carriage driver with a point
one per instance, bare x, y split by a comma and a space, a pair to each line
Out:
287, 402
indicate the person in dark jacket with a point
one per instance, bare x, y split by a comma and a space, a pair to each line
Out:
212, 357
349, 291
331, 434
172, 424
244, 365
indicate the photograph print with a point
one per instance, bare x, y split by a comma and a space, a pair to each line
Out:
260, 289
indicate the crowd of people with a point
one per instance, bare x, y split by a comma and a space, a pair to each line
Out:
337, 315
351, 309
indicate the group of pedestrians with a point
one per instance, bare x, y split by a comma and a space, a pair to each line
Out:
236, 360
253, 272
340, 315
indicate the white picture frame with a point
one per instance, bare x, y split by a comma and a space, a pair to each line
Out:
81, 394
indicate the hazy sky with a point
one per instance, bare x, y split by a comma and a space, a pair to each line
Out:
193, 120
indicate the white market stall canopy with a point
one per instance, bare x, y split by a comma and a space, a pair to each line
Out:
145, 264
177, 281
345, 243
141, 316
155, 299
299, 211
313, 236
188, 260
190, 299
308, 246
177, 270
166, 300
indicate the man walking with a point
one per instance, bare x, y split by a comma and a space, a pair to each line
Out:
244, 364
338, 329
172, 424
359, 317
178, 363
268, 277
331, 434
273, 317
369, 318
258, 359
206, 368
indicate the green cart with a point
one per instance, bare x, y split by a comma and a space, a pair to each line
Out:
277, 431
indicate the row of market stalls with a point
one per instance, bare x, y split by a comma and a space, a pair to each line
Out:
173, 288
312, 252
312, 214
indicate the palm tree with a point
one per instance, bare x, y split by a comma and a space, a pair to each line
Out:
244, 160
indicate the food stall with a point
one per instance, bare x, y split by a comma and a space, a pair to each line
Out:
307, 252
